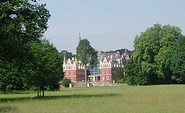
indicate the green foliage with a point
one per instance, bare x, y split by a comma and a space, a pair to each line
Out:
66, 82
149, 59
119, 76
176, 60
86, 53
26, 60
118, 50
21, 22
132, 73
10, 76
45, 67
66, 54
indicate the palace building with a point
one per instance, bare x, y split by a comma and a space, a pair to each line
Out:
74, 70
110, 62
103, 72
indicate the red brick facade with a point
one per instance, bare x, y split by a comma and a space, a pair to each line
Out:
74, 70
108, 63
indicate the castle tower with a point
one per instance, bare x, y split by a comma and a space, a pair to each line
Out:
78, 42
79, 37
74, 69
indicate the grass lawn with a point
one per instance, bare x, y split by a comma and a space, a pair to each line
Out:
123, 99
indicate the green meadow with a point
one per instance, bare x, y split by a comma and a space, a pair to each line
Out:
122, 99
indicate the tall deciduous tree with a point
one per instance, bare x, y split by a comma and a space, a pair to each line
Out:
67, 54
169, 35
21, 21
176, 61
149, 56
45, 68
10, 76
86, 54
119, 76
118, 50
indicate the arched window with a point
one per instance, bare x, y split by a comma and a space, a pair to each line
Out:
107, 71
67, 73
71, 72
103, 71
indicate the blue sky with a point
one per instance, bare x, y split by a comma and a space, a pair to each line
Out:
108, 24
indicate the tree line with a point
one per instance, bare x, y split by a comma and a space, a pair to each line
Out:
27, 61
158, 57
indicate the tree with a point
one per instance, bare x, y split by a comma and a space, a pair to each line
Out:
86, 54
176, 60
149, 56
118, 50
119, 76
45, 68
146, 47
169, 35
67, 54
66, 82
10, 76
133, 74
21, 21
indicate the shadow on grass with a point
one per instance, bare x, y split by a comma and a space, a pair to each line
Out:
6, 109
4, 100
73, 89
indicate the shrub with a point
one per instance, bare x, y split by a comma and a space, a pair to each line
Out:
66, 82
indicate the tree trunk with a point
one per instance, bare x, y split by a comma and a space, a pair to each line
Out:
43, 92
4, 88
38, 91
85, 76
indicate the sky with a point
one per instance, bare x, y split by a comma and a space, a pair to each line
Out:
108, 24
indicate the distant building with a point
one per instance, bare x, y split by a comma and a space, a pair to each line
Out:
104, 72
74, 70
110, 62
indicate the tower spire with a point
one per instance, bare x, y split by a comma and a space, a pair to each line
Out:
78, 41
79, 36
